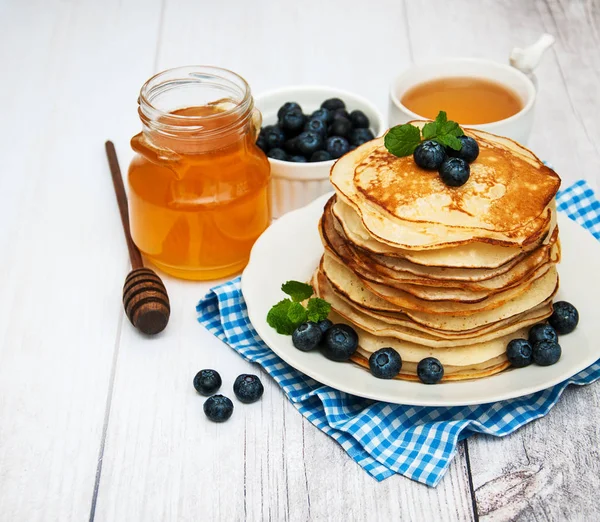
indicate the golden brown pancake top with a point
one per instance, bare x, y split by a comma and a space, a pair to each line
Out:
505, 191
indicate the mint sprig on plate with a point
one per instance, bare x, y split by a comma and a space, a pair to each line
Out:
290, 313
402, 140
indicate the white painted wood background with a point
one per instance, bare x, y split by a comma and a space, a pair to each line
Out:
97, 423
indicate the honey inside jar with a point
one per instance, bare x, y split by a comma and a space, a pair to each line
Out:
198, 193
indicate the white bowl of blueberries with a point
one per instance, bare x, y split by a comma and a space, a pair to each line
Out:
305, 130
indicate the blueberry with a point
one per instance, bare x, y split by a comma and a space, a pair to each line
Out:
325, 325
341, 341
262, 144
454, 172
307, 336
287, 107
337, 146
341, 113
430, 370
321, 155
315, 125
385, 363
429, 155
359, 120
359, 136
519, 353
325, 115
291, 146
298, 159
279, 154
332, 104
340, 127
248, 388
274, 136
309, 142
218, 408
468, 152
207, 382
292, 122
565, 317
542, 332
546, 353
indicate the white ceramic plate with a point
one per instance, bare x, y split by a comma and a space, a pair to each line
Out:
291, 249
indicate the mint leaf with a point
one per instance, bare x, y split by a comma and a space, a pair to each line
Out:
402, 140
318, 309
448, 140
429, 130
450, 128
297, 314
441, 118
297, 291
278, 319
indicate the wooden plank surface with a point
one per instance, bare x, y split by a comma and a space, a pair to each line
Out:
60, 251
77, 382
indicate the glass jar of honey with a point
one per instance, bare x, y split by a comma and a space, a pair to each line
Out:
198, 185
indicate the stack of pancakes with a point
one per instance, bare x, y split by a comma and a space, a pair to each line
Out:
435, 271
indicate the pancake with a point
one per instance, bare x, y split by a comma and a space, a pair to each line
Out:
421, 286
353, 289
508, 188
340, 275
384, 328
424, 236
473, 278
430, 270
471, 255
418, 211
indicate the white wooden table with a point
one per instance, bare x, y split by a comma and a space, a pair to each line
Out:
99, 423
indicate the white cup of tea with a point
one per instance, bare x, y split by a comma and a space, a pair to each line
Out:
454, 72
510, 114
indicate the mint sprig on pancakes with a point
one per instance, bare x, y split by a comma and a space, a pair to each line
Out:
288, 314
402, 140
440, 145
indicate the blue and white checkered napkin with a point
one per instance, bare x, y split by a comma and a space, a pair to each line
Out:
418, 442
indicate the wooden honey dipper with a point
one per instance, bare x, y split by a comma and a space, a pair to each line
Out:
145, 297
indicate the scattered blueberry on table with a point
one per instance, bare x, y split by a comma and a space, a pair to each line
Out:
207, 382
385, 363
340, 343
218, 408
328, 133
248, 388
430, 370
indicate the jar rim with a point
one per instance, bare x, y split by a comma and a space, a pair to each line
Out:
167, 122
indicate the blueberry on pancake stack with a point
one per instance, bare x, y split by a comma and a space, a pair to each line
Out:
434, 270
